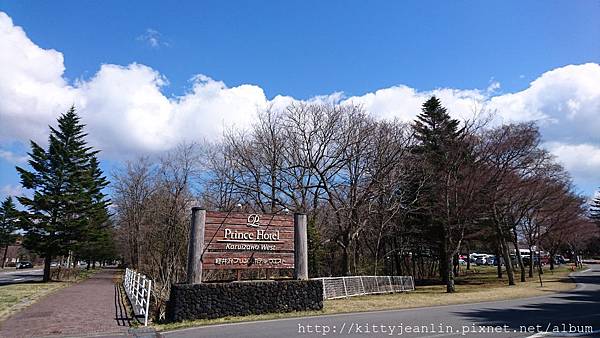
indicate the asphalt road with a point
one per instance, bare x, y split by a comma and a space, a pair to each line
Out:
20, 276
577, 310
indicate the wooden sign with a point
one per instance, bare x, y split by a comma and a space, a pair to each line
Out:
248, 241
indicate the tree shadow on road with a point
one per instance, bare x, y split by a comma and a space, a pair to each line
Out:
579, 308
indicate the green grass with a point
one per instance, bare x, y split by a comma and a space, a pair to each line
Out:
478, 285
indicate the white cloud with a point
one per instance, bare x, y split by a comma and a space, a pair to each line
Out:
152, 38
578, 158
564, 100
123, 106
11, 157
126, 111
493, 87
32, 89
404, 103
581, 160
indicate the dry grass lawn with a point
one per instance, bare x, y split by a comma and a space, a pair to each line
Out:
479, 285
15, 297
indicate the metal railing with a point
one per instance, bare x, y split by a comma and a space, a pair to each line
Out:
138, 288
341, 287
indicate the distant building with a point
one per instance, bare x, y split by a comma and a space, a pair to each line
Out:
16, 253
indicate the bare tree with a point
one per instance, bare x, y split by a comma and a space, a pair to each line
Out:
152, 212
375, 202
132, 187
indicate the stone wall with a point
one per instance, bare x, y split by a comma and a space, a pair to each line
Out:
215, 300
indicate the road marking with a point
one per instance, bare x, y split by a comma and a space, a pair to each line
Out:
18, 279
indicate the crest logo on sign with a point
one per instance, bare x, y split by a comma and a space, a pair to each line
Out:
253, 221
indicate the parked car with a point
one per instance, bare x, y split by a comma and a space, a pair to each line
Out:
545, 259
24, 265
481, 260
477, 258
558, 259
536, 260
491, 260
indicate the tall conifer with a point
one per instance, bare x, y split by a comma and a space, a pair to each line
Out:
66, 191
438, 135
595, 209
8, 225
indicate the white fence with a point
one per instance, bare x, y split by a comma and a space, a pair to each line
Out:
339, 287
138, 289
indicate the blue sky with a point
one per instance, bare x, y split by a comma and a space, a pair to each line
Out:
307, 48
386, 54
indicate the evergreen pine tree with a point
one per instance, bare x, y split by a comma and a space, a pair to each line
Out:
595, 210
8, 225
59, 213
438, 135
96, 237
436, 131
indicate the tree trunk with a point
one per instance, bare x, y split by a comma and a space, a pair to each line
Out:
443, 261
377, 256
530, 262
518, 254
413, 260
455, 265
447, 263
421, 267
398, 259
498, 255
504, 248
47, 261
4, 257
345, 261
450, 277
551, 261
468, 257
507, 262
540, 271
137, 249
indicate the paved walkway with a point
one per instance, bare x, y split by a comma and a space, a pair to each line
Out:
91, 307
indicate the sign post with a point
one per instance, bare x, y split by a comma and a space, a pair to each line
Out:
301, 247
242, 241
236, 242
196, 246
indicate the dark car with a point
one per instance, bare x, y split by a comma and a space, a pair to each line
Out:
24, 265
558, 259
